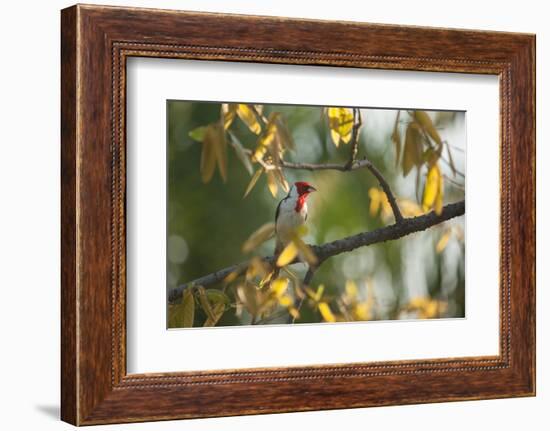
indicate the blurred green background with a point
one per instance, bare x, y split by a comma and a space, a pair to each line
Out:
208, 223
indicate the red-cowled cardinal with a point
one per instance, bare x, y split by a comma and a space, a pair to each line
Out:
291, 213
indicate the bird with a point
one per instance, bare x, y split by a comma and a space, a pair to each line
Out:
291, 214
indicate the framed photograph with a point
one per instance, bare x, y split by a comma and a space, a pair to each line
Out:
251, 205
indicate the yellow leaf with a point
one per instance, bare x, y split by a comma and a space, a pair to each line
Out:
431, 188
279, 286
247, 115
426, 123
228, 111
443, 241
272, 183
305, 250
319, 293
294, 312
412, 154
409, 208
261, 235
351, 289
362, 311
288, 254
340, 122
438, 207
374, 195
253, 182
326, 312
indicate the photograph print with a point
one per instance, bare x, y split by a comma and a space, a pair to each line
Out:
290, 214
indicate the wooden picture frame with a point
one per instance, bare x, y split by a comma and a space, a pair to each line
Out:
95, 43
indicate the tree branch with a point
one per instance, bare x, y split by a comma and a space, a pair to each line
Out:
344, 245
360, 164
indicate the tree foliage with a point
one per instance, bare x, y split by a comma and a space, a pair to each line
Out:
262, 142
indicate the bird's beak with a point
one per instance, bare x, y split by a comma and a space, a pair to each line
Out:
311, 189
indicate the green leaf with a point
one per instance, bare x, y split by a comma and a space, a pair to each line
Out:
217, 297
205, 304
198, 133
188, 305
182, 315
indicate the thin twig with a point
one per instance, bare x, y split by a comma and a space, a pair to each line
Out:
357, 123
344, 245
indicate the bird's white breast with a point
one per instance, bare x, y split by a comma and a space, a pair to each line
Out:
289, 219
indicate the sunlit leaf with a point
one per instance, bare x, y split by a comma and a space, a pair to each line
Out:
443, 241
426, 308
261, 235
241, 154
396, 139
318, 294
362, 311
217, 313
253, 181
272, 183
340, 122
279, 286
351, 289
374, 206
412, 153
288, 254
431, 188
247, 115
305, 251
326, 312
409, 208
426, 123
198, 133
229, 110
